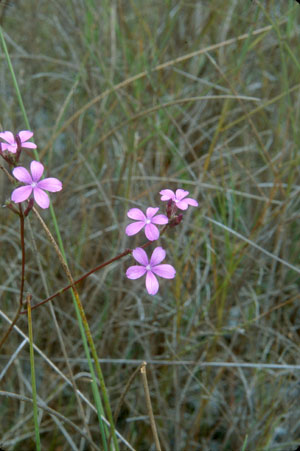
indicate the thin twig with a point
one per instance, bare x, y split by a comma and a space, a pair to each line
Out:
10, 177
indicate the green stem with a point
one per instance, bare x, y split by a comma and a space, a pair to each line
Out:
33, 384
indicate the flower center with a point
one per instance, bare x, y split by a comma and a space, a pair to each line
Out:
148, 221
148, 267
33, 184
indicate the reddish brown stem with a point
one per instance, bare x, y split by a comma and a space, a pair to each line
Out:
22, 235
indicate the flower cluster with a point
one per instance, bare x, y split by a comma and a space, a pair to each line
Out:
152, 268
10, 149
34, 186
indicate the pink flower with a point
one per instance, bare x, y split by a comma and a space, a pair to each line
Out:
148, 221
33, 183
179, 198
12, 143
150, 268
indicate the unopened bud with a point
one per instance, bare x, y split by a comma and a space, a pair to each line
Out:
175, 221
171, 208
19, 147
18, 142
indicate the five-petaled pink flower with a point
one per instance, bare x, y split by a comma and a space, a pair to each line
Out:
11, 143
181, 201
150, 268
147, 221
33, 183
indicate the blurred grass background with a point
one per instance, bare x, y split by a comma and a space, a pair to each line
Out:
127, 98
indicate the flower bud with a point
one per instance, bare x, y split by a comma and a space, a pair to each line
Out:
175, 221
171, 208
19, 147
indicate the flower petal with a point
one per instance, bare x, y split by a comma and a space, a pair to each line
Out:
29, 145
191, 201
136, 213
140, 256
37, 170
158, 256
25, 135
8, 137
134, 228
167, 194
22, 175
11, 148
41, 198
21, 194
181, 193
165, 271
135, 272
150, 212
50, 184
160, 219
151, 232
152, 284
182, 205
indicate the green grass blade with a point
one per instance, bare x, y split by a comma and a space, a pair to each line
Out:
33, 383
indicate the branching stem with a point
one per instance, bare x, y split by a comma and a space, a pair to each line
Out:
97, 268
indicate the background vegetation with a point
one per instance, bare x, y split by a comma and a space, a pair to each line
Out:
127, 98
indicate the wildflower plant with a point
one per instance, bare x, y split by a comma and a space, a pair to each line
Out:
32, 189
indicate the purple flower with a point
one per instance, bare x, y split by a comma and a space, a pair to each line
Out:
181, 201
33, 183
148, 221
12, 143
150, 268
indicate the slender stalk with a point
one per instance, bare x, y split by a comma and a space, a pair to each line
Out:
149, 406
7, 333
22, 236
122, 397
33, 384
